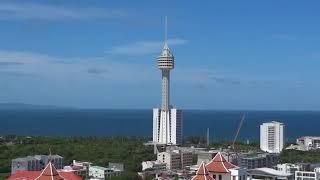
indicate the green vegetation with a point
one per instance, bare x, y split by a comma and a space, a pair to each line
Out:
199, 141
294, 156
99, 151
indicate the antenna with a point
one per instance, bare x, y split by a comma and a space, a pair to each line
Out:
166, 29
208, 141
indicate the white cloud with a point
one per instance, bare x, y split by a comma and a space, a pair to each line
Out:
144, 47
9, 10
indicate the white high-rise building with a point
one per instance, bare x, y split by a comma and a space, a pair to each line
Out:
167, 121
272, 137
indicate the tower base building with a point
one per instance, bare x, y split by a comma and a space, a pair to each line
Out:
167, 126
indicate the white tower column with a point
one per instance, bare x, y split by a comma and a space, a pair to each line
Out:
165, 89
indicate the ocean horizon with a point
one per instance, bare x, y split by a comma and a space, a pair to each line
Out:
138, 122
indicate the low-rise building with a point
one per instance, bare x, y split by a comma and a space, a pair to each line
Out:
205, 156
307, 175
309, 142
288, 168
80, 168
175, 159
252, 161
267, 174
35, 163
153, 165
98, 172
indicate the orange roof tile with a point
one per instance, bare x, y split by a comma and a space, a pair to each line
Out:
219, 164
49, 173
202, 173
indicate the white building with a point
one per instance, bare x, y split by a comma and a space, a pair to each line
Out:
307, 175
288, 167
98, 172
175, 159
167, 121
268, 174
272, 137
153, 165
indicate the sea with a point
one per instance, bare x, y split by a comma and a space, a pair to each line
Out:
138, 123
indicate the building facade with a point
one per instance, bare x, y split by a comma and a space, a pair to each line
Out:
175, 159
253, 161
288, 168
309, 142
272, 137
307, 175
35, 163
167, 121
153, 165
98, 172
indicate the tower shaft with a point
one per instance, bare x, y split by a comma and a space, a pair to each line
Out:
165, 90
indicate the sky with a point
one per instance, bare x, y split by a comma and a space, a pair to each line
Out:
229, 55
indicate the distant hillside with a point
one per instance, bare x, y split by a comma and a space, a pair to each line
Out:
27, 106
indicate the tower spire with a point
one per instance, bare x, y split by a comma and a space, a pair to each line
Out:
166, 30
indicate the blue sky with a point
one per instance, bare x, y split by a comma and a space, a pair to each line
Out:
261, 55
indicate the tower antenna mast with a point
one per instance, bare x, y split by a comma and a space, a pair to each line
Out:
166, 29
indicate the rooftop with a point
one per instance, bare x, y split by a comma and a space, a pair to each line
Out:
219, 164
268, 172
99, 167
202, 173
49, 173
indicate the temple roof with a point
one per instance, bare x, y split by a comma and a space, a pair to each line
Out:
49, 173
219, 164
202, 173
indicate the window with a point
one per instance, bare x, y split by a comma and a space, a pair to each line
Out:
220, 177
233, 177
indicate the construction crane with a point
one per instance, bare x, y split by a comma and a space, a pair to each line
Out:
242, 117
232, 147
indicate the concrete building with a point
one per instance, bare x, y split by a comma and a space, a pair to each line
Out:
288, 168
252, 161
309, 142
272, 137
268, 174
80, 168
167, 121
307, 175
153, 165
175, 159
205, 157
35, 163
98, 172
220, 169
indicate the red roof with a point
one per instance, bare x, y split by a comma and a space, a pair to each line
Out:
219, 164
202, 173
49, 173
